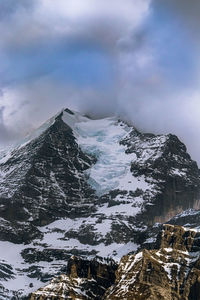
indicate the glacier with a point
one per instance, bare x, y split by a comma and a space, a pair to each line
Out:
101, 138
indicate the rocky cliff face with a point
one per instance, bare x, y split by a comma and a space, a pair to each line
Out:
85, 187
170, 272
83, 280
164, 161
44, 178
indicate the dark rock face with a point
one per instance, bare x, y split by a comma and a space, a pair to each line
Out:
6, 271
41, 181
170, 167
17, 232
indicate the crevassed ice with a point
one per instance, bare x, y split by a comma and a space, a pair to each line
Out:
101, 138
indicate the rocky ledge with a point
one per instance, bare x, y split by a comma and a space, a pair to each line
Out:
171, 271
83, 280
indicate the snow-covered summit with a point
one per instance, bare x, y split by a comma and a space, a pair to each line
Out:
87, 187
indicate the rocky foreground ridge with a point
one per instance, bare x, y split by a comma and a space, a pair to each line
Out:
170, 271
84, 187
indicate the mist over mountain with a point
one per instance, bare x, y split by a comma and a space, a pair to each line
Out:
138, 60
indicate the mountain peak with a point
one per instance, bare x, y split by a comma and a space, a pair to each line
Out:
89, 187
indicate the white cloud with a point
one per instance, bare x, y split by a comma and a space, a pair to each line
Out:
103, 21
130, 11
144, 87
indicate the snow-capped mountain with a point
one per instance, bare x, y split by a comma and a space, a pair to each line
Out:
81, 186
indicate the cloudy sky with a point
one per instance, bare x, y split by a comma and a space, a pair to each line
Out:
136, 58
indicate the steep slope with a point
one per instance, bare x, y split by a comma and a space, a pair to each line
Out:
164, 162
44, 179
79, 186
46, 172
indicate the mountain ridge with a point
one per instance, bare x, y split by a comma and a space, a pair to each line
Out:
87, 188
169, 271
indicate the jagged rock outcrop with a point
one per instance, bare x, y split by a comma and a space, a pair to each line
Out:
170, 272
83, 280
